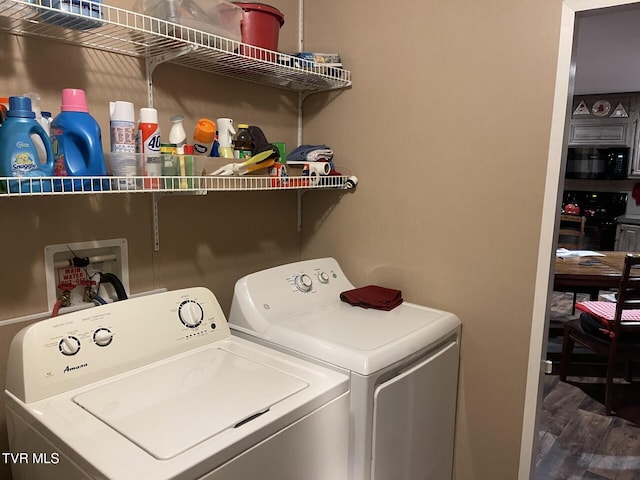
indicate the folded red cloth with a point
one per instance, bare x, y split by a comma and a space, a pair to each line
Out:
373, 296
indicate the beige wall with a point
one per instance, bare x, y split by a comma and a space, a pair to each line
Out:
447, 128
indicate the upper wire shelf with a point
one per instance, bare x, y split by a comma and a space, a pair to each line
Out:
137, 35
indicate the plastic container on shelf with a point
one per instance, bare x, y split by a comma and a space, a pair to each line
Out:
260, 27
86, 14
211, 16
77, 144
18, 153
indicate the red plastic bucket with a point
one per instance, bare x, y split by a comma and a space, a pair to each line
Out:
260, 25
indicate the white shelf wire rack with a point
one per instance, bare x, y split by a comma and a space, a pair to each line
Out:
38, 186
137, 35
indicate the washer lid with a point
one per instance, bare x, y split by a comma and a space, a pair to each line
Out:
363, 340
175, 405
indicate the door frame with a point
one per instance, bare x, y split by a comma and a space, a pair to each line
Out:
552, 193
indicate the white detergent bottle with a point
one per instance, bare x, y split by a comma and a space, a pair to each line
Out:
225, 137
177, 134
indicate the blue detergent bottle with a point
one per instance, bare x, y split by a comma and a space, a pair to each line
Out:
18, 153
77, 145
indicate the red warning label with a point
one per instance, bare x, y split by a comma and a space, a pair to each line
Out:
71, 275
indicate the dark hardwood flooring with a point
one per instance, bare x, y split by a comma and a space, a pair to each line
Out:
576, 439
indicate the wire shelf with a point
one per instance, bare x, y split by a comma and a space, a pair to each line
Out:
37, 186
134, 34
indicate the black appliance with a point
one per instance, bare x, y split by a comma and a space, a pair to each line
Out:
598, 163
602, 210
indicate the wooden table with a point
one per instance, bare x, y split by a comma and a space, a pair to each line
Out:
588, 274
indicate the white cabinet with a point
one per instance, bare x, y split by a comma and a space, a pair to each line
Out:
628, 238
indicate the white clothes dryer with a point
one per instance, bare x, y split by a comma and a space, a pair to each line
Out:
157, 388
402, 364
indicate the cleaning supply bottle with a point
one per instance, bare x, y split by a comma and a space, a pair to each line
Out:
77, 143
122, 127
215, 147
149, 145
203, 136
242, 145
4, 101
18, 153
35, 106
225, 136
177, 135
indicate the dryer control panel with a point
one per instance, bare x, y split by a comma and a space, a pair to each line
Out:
269, 296
55, 355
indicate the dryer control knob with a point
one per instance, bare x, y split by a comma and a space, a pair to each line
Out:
190, 313
69, 345
323, 277
303, 282
102, 337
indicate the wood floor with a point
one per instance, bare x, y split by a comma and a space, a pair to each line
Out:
576, 439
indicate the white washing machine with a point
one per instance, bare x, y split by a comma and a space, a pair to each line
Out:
403, 364
157, 388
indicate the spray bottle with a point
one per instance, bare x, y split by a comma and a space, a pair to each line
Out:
149, 143
225, 136
122, 126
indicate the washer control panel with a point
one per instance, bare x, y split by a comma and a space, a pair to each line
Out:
84, 346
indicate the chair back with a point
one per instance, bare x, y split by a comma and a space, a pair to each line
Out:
571, 233
628, 297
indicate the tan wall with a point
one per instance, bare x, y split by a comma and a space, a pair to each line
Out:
207, 240
446, 127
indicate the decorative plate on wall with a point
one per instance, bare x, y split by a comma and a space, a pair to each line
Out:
601, 108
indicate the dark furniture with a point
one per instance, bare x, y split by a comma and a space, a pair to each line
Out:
622, 345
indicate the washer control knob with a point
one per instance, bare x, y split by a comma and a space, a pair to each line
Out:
303, 282
69, 345
323, 276
102, 337
190, 313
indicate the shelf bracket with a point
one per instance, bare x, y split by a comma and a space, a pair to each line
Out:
156, 227
155, 197
300, 193
151, 62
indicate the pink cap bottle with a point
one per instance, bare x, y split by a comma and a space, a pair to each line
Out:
74, 100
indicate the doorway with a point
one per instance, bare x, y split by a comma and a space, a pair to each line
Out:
571, 10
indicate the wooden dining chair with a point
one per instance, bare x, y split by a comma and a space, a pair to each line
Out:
571, 233
571, 237
621, 342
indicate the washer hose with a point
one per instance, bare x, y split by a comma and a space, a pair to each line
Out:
117, 284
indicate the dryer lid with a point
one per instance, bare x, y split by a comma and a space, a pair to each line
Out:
171, 407
363, 340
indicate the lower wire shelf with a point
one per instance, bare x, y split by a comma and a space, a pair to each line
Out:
34, 186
